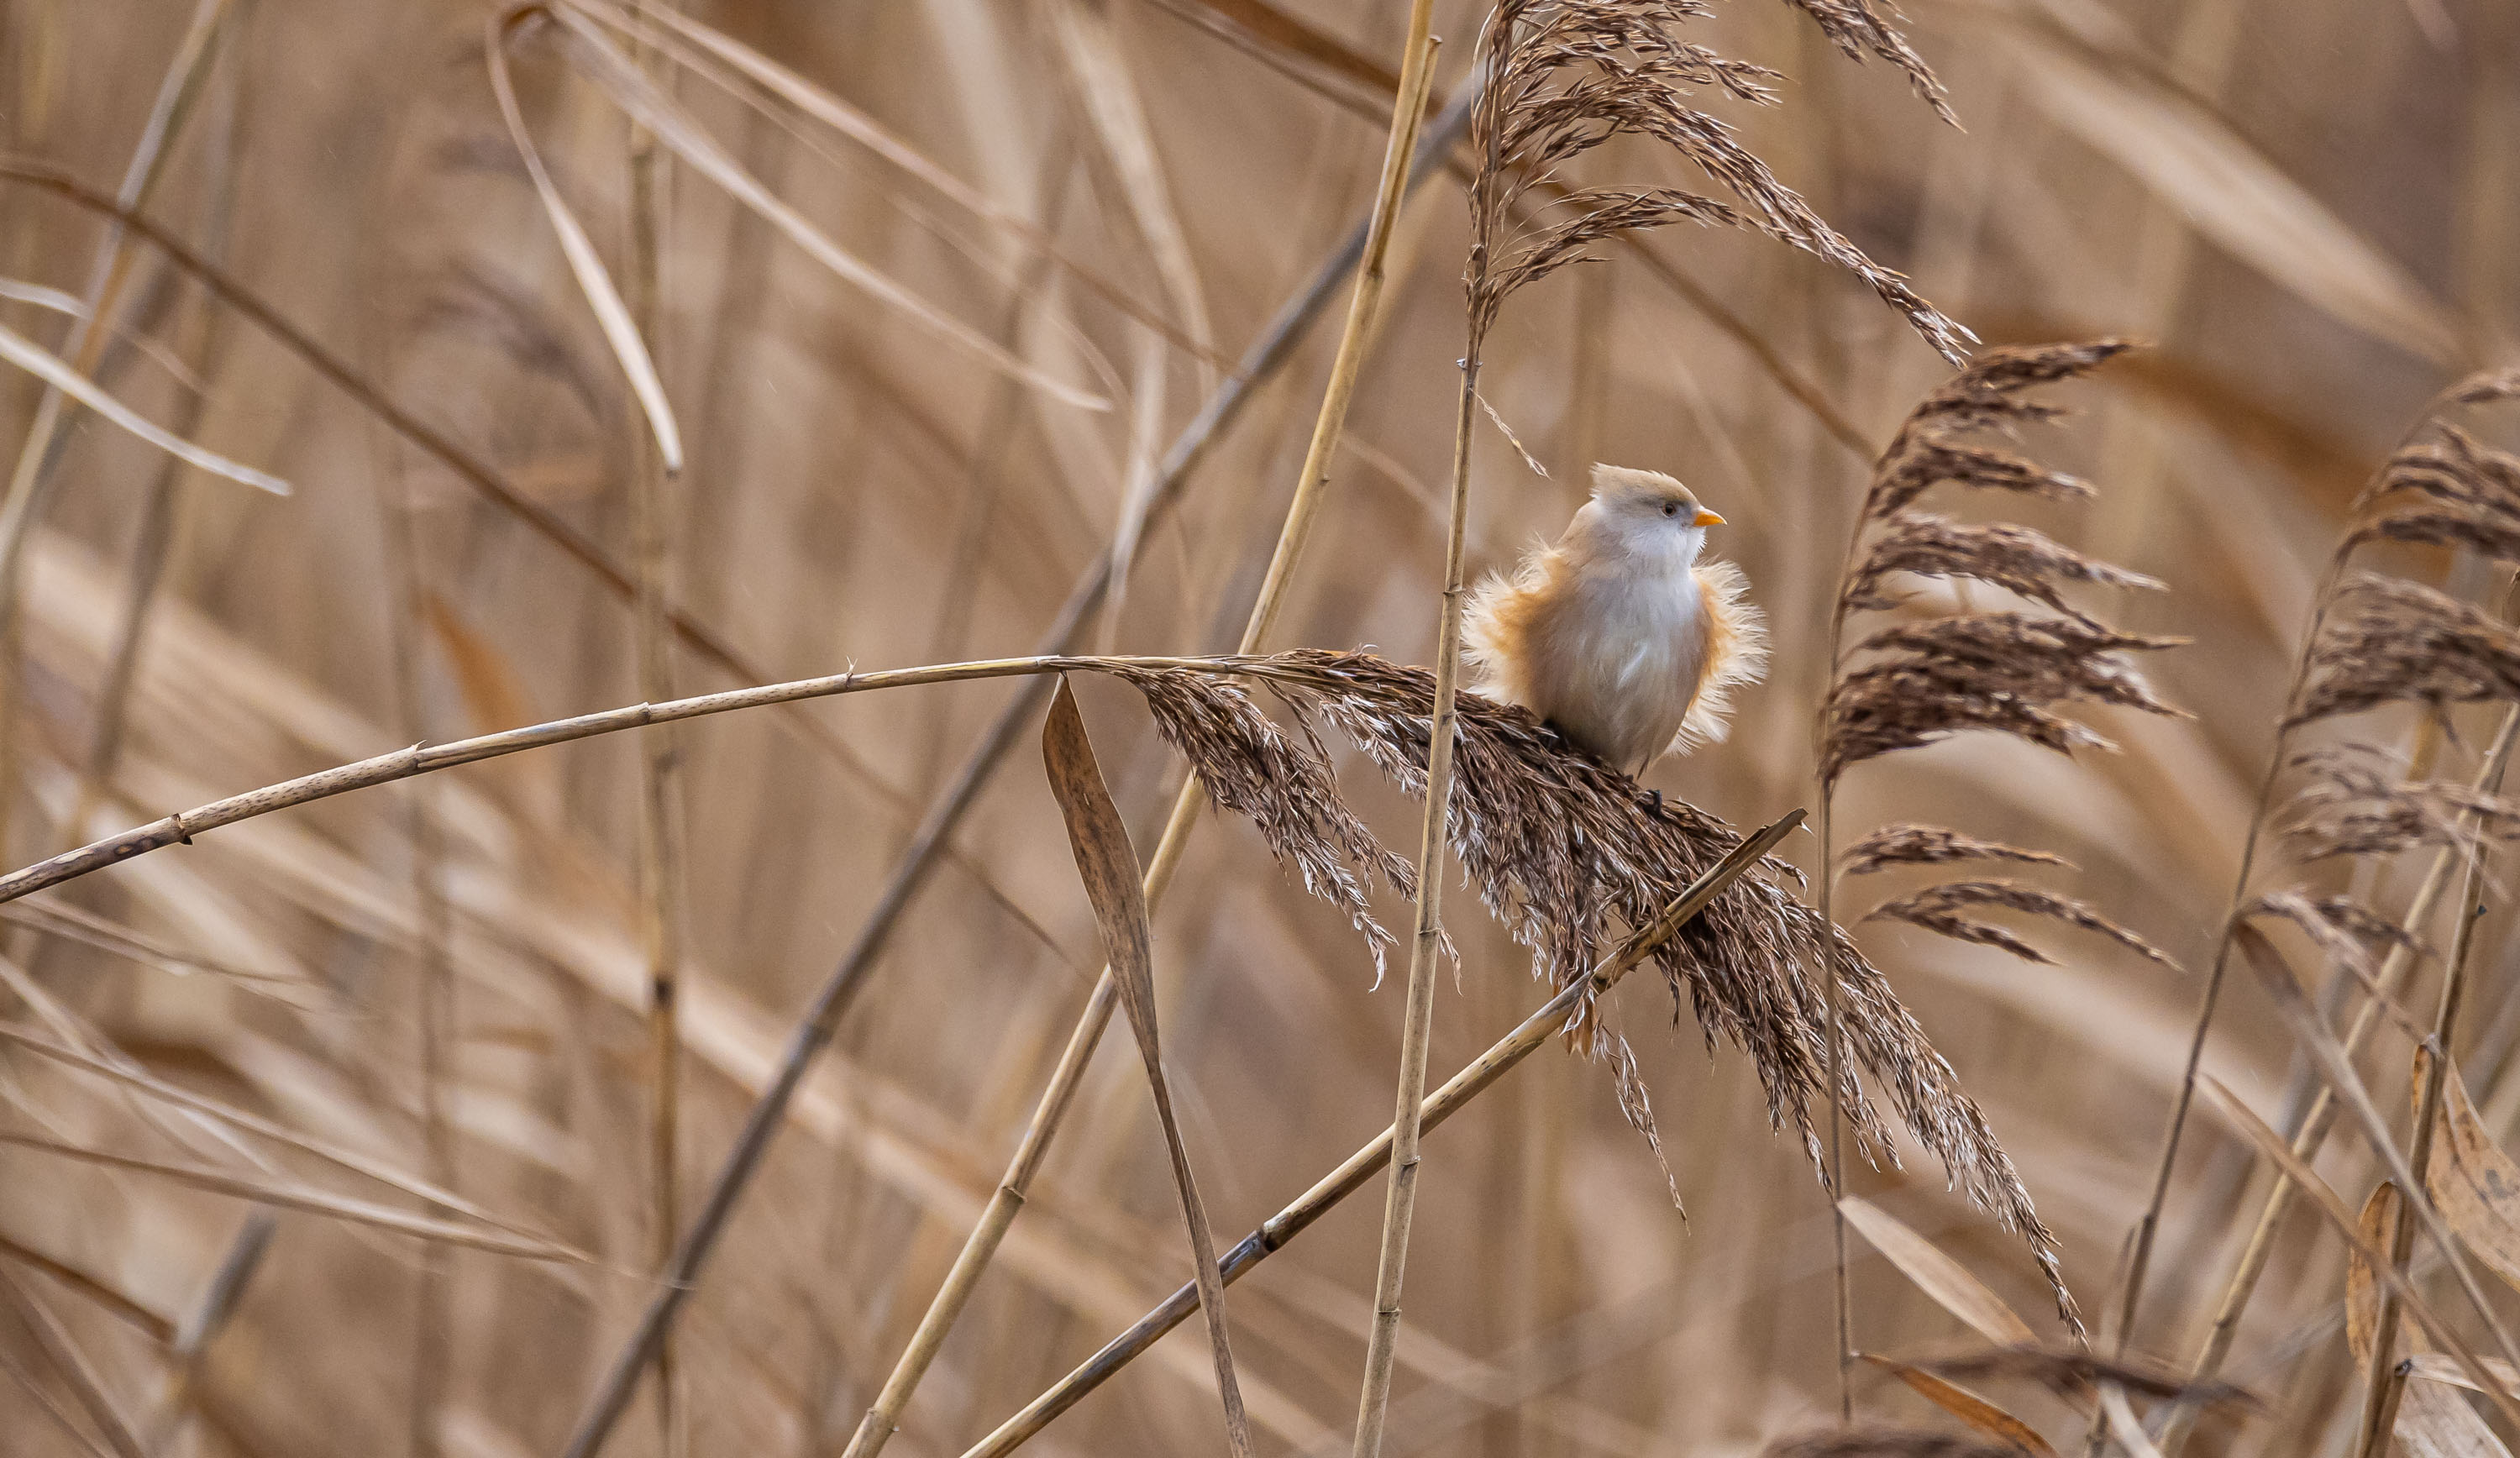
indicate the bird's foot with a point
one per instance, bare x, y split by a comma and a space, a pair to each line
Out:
1657, 803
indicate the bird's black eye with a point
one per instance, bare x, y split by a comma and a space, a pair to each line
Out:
1671, 508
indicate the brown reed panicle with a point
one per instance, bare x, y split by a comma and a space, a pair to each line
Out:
1570, 855
1571, 75
2005, 671
2385, 640
2355, 801
1908, 844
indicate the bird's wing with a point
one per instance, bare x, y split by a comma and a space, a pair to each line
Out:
1736, 651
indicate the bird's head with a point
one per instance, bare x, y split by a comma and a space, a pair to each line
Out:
1646, 514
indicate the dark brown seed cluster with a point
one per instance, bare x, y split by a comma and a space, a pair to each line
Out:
2385, 640
2005, 671
1572, 856
1571, 75
2355, 801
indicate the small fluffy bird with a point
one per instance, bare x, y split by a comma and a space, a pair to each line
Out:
1618, 636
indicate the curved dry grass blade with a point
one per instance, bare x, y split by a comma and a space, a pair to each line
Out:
2476, 1184
301, 1196
77, 1372
1938, 1275
2123, 1426
2436, 1422
1109, 865
633, 92
41, 363
2377, 1227
2072, 1372
594, 282
1968, 1406
148, 1323
2271, 1144
328, 1153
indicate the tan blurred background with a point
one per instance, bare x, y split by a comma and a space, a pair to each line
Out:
2308, 207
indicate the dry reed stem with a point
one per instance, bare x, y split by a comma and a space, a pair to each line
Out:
1006, 1201
1267, 354
72, 1366
202, 1325
654, 480
140, 1318
1554, 1018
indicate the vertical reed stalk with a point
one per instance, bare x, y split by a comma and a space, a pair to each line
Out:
652, 484
884, 1418
1425, 946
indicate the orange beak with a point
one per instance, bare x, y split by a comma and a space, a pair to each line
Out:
1705, 517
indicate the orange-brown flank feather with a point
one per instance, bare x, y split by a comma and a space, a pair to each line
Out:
1617, 634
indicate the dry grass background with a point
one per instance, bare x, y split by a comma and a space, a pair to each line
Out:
2307, 209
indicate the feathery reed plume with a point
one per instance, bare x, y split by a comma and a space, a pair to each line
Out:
2007, 671
2352, 802
1570, 855
1932, 845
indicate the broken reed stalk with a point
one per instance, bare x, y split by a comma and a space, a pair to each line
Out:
109, 274
655, 481
2384, 1382
2147, 1227
928, 843
1551, 1019
884, 1416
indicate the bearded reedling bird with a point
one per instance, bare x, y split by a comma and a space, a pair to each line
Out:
1618, 636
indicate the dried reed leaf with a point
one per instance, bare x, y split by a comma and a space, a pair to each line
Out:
1937, 1274
1938, 908
49, 368
2435, 1422
1978, 1412
328, 1152
1931, 845
2355, 802
1881, 1441
305, 1198
585, 265
2433, 1366
2377, 1225
2073, 1371
2475, 1185
1109, 865
2385, 640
